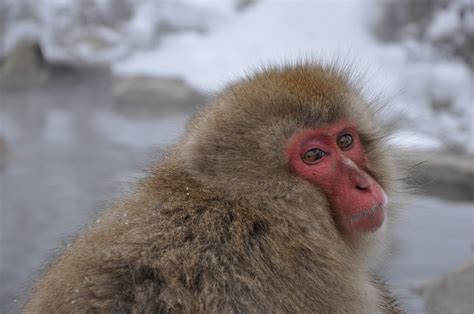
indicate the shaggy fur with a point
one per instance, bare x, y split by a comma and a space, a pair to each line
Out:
222, 224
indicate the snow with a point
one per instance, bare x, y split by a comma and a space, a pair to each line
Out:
432, 99
90, 31
26, 30
448, 22
271, 32
444, 24
208, 43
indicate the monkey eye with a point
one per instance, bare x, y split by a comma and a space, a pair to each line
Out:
313, 155
345, 141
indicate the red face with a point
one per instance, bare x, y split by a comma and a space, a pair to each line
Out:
333, 158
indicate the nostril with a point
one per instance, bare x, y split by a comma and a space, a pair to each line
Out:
363, 183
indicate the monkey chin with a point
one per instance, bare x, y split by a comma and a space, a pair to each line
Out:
365, 221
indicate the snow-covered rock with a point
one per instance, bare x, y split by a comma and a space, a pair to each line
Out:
142, 96
103, 30
453, 293
24, 65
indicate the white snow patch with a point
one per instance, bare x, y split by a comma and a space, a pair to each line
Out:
445, 23
25, 30
76, 30
271, 32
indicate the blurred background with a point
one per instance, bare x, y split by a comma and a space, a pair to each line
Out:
92, 91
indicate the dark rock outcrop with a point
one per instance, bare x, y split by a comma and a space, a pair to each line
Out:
3, 153
24, 65
442, 175
141, 96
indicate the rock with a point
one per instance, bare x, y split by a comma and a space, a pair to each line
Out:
452, 294
144, 96
25, 64
442, 175
3, 153
242, 5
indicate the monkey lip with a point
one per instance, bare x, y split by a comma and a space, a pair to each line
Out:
368, 220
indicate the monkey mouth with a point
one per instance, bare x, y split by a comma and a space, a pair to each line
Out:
367, 220
366, 214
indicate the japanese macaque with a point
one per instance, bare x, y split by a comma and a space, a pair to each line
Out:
275, 200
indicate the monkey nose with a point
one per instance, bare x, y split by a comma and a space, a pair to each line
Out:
358, 178
362, 181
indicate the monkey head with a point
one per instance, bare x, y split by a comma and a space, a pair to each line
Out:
333, 158
302, 135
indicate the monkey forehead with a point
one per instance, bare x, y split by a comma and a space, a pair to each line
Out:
325, 134
278, 101
259, 113
311, 94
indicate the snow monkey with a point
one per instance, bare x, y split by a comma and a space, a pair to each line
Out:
275, 200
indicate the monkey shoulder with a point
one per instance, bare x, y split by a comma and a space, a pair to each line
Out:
174, 246
196, 247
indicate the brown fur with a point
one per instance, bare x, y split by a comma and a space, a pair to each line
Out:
223, 225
